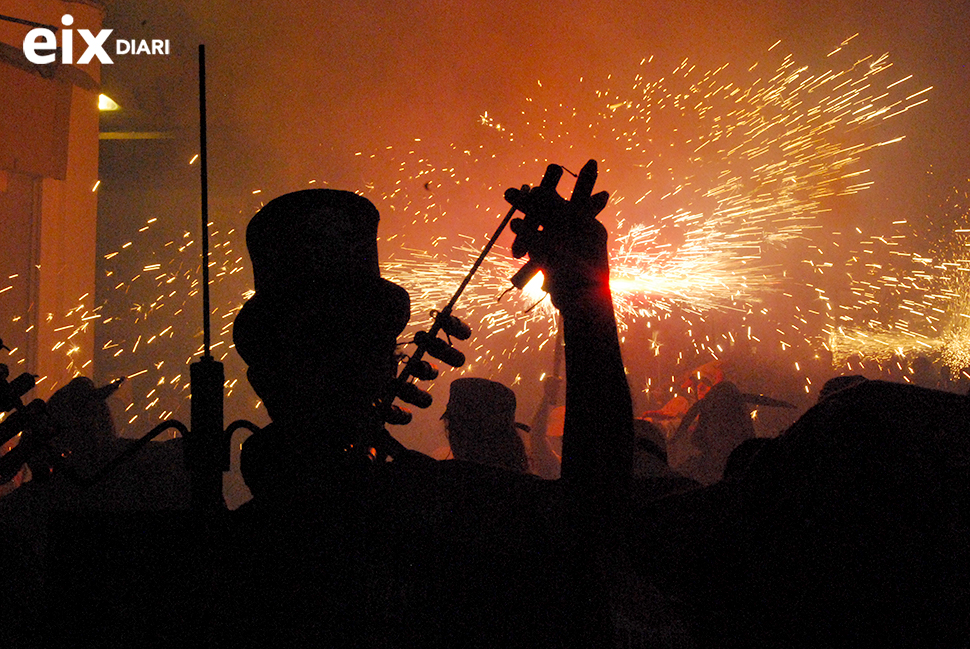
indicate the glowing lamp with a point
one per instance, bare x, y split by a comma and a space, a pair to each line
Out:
106, 103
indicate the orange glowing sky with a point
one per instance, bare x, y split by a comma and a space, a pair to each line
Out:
366, 95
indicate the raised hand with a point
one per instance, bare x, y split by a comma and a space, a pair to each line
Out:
562, 237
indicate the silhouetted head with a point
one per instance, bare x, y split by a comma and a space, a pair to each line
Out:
480, 419
82, 418
320, 332
839, 383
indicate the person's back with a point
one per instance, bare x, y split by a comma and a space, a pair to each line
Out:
859, 501
414, 552
723, 422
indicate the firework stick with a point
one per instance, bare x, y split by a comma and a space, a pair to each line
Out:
379, 444
542, 239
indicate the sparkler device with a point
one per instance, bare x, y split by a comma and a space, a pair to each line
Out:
207, 442
527, 229
12, 391
30, 419
381, 444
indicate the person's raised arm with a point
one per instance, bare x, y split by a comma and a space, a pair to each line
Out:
564, 239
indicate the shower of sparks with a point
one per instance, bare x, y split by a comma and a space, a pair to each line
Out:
701, 275
157, 333
912, 301
718, 181
730, 176
68, 327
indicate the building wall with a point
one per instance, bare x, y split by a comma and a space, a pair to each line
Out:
48, 206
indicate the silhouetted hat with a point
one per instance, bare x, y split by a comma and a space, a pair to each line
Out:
314, 235
483, 400
71, 404
314, 256
77, 394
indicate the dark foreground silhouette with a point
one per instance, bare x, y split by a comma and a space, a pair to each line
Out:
850, 528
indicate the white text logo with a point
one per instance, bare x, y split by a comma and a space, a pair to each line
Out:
40, 45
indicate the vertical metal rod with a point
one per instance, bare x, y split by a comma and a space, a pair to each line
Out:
207, 346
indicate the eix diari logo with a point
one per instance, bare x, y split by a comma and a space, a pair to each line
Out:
41, 43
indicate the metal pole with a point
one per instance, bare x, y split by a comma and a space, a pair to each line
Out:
207, 343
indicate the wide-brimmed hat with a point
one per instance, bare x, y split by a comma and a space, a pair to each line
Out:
80, 414
482, 400
78, 394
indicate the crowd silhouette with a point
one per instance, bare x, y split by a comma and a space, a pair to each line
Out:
849, 527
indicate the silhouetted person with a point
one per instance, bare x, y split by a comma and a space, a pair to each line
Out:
59, 532
723, 422
859, 501
154, 478
481, 427
335, 548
